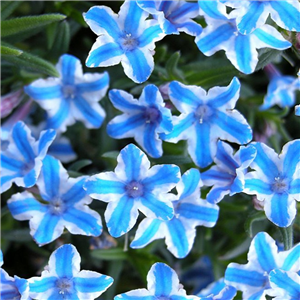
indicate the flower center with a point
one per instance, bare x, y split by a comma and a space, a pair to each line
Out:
128, 42
57, 206
134, 189
64, 285
279, 185
69, 91
203, 113
152, 115
27, 167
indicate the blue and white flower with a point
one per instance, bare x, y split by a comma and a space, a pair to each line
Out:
127, 38
174, 16
263, 257
21, 162
285, 285
206, 117
189, 211
163, 283
143, 119
297, 110
227, 176
276, 181
65, 207
253, 14
73, 96
134, 186
63, 279
221, 33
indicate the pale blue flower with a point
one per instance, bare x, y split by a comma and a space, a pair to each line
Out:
253, 14
205, 118
21, 162
142, 119
174, 16
127, 38
227, 176
73, 96
134, 186
276, 181
63, 280
163, 284
297, 110
65, 205
263, 257
189, 211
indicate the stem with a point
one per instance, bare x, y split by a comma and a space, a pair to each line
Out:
287, 236
126, 242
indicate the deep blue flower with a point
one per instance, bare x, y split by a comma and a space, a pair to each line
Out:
65, 205
143, 119
73, 96
63, 280
276, 181
127, 38
21, 162
134, 186
205, 118
189, 211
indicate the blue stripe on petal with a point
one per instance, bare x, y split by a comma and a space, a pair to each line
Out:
258, 186
11, 164
211, 9
191, 183
216, 194
93, 86
163, 274
150, 34
66, 259
61, 115
245, 57
43, 93
118, 99
291, 259
295, 187
21, 206
191, 28
291, 159
164, 6
100, 186
30, 178
151, 143
75, 193
42, 285
134, 16
68, 68
91, 284
184, 9
45, 140
225, 158
150, 94
216, 176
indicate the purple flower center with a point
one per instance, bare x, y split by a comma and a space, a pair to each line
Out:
203, 113
279, 185
64, 285
57, 206
152, 115
134, 189
69, 91
27, 167
128, 42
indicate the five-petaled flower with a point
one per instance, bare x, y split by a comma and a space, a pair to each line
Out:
127, 38
134, 186
227, 176
276, 181
163, 284
73, 96
263, 257
189, 211
144, 119
66, 205
64, 280
206, 117
21, 162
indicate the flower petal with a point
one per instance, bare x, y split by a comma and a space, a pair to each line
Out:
69, 67
124, 101
291, 159
189, 185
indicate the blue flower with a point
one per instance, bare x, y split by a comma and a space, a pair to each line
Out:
285, 285
173, 16
253, 14
221, 33
205, 118
189, 212
263, 257
276, 181
65, 207
15, 288
64, 280
73, 96
127, 38
134, 186
163, 284
297, 110
227, 176
143, 120
21, 162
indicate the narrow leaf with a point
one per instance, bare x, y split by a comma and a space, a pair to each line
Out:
7, 7
76, 166
109, 254
255, 217
266, 56
172, 69
10, 51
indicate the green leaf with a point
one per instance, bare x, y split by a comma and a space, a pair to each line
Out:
51, 32
170, 159
111, 154
254, 217
10, 51
7, 7
109, 254
62, 39
266, 56
172, 69
240, 249
18, 25
76, 166
18, 235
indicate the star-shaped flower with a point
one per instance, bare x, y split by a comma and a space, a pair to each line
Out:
189, 211
65, 207
127, 38
143, 119
63, 279
163, 284
263, 257
73, 96
134, 186
174, 16
206, 117
276, 181
21, 162
227, 176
